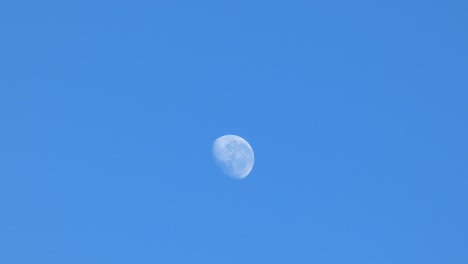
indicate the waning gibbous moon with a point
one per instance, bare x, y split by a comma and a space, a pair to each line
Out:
234, 156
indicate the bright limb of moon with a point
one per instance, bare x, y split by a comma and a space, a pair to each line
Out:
234, 155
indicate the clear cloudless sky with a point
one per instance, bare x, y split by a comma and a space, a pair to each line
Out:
356, 110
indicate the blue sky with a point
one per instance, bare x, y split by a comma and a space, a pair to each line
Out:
356, 110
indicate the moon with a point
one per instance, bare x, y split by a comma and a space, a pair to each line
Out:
234, 156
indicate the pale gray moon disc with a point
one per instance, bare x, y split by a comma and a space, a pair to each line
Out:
234, 156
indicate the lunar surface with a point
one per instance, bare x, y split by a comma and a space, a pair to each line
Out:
234, 156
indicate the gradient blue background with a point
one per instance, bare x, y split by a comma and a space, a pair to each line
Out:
356, 110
